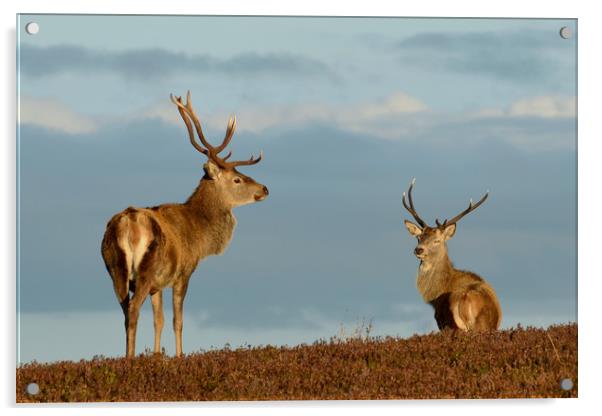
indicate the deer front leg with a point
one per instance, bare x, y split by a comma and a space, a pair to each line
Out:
157, 301
179, 292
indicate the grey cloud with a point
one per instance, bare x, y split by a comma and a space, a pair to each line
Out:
443, 42
520, 56
330, 236
153, 63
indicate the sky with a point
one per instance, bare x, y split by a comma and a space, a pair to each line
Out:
347, 112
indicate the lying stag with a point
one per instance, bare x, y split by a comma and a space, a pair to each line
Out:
146, 250
461, 299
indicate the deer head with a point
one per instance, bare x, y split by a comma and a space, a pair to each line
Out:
432, 240
233, 188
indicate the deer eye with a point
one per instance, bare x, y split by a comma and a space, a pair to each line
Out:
237, 180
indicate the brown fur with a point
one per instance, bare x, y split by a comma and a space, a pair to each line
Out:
146, 250
461, 299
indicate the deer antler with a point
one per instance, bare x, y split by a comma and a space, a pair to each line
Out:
229, 133
187, 113
251, 161
411, 208
468, 210
183, 113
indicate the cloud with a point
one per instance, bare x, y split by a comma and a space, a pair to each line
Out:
539, 123
520, 56
545, 107
385, 118
380, 117
154, 63
444, 42
54, 115
532, 124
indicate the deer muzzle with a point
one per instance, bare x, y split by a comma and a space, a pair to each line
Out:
260, 196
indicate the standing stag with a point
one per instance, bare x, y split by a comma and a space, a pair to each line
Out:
461, 299
146, 250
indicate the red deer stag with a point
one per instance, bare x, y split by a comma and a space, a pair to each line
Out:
146, 250
461, 299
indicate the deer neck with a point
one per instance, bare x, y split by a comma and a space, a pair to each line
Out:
434, 277
214, 220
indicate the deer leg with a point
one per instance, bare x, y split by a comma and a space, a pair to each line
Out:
119, 275
179, 292
123, 297
157, 301
125, 307
135, 303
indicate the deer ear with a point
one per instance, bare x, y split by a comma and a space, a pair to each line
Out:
413, 228
212, 170
449, 231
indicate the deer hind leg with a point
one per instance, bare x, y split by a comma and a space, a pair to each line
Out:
135, 238
157, 301
119, 275
144, 280
142, 291
120, 285
466, 306
117, 264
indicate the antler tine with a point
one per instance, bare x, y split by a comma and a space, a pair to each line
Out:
468, 210
184, 114
197, 124
229, 133
251, 161
410, 207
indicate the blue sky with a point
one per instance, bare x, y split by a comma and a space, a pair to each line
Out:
347, 111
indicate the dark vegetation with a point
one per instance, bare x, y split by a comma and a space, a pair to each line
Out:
512, 363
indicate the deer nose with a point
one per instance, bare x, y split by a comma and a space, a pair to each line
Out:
265, 190
418, 251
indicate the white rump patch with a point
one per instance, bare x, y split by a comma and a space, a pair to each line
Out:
133, 252
457, 319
